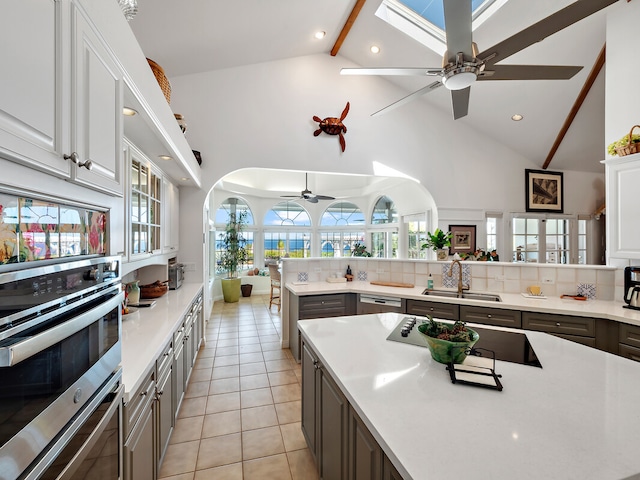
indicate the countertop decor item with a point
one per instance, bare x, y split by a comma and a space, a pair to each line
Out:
333, 126
448, 343
161, 78
154, 290
627, 145
438, 241
181, 122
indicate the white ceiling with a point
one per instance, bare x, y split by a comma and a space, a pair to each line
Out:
200, 35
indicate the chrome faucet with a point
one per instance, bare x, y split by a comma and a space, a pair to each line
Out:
461, 287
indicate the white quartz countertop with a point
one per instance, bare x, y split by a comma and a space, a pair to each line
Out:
147, 331
578, 417
611, 310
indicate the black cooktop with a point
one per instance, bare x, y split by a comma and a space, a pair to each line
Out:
509, 346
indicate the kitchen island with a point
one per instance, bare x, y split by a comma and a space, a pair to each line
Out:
576, 417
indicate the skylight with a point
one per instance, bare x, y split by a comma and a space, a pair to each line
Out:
423, 20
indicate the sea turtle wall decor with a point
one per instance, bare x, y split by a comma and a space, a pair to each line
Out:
333, 126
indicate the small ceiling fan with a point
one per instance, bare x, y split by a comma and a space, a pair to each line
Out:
463, 64
307, 194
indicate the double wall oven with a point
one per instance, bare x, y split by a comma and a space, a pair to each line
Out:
60, 374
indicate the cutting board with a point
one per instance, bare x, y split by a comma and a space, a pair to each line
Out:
393, 284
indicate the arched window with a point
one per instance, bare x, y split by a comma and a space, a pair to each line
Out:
287, 232
338, 235
384, 211
228, 207
384, 240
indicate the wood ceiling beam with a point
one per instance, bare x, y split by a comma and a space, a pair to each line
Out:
595, 71
347, 26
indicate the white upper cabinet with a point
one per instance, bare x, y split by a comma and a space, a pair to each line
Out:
623, 207
34, 102
97, 86
171, 222
61, 103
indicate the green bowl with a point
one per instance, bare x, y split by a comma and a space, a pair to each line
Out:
444, 351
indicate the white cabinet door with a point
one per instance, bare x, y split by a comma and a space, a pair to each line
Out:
171, 222
623, 207
97, 89
34, 103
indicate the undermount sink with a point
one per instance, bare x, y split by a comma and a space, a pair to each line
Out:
487, 297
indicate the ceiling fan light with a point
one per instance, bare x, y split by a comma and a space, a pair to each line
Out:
458, 81
319, 34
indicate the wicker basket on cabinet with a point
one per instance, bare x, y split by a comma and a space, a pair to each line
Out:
158, 72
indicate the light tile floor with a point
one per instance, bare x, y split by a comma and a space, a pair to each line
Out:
240, 416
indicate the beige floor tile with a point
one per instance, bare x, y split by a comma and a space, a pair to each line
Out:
278, 365
286, 393
258, 417
187, 429
197, 389
261, 442
301, 465
268, 346
216, 451
180, 458
182, 476
224, 385
254, 340
282, 378
293, 437
201, 375
192, 407
223, 402
222, 423
203, 363
226, 371
233, 335
226, 472
289, 412
270, 338
256, 398
207, 352
252, 368
274, 467
251, 382
252, 357
279, 354
223, 361
226, 350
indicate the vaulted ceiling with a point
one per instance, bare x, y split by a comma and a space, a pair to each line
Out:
201, 35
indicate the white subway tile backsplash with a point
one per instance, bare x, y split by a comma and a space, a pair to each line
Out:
529, 273
566, 275
586, 276
512, 273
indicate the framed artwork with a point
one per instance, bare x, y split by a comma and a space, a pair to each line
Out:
463, 239
544, 191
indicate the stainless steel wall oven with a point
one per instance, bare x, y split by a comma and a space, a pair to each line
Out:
60, 376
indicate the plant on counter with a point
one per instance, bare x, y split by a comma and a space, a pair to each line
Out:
448, 343
481, 255
456, 333
360, 250
437, 240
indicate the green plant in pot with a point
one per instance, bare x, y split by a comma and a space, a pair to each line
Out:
448, 343
360, 250
438, 241
234, 255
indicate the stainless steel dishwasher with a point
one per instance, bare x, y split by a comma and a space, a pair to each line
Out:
368, 303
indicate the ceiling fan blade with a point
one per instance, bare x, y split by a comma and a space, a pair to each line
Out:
460, 102
312, 199
408, 98
529, 72
414, 71
457, 22
541, 30
324, 197
290, 196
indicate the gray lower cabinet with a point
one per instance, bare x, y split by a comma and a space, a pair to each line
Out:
578, 329
423, 308
164, 397
629, 341
140, 460
389, 472
491, 316
178, 369
341, 444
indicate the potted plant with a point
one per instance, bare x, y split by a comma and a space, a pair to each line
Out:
448, 343
233, 256
438, 241
360, 250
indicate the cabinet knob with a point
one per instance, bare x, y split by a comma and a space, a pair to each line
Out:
431, 309
143, 394
488, 315
316, 365
75, 158
557, 324
160, 392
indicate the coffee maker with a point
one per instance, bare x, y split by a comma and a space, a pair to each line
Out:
632, 287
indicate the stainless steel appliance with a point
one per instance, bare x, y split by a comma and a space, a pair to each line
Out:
60, 351
176, 275
378, 304
632, 287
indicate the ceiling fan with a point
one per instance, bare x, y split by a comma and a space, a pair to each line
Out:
307, 194
463, 64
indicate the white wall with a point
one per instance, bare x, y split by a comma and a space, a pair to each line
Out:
261, 116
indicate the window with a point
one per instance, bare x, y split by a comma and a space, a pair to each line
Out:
544, 240
338, 236
234, 206
384, 212
146, 189
492, 233
287, 239
384, 243
582, 241
417, 235
557, 241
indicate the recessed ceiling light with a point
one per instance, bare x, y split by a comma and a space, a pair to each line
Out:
129, 112
165, 157
517, 117
320, 34
375, 49
184, 179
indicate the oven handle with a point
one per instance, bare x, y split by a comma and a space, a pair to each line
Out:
20, 351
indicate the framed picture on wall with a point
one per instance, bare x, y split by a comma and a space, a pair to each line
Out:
463, 239
544, 191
